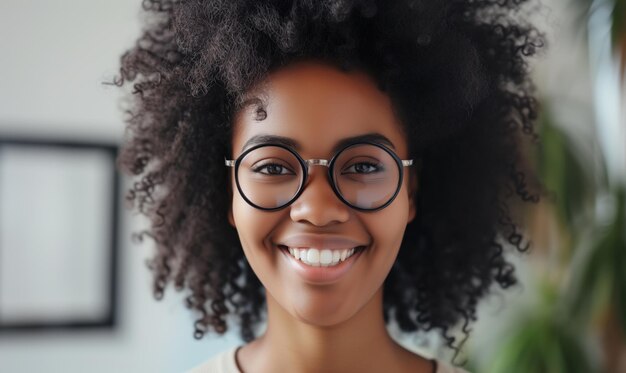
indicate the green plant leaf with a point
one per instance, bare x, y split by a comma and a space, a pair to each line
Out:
619, 256
618, 28
586, 287
543, 341
565, 173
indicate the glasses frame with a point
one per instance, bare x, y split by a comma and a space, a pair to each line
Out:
330, 164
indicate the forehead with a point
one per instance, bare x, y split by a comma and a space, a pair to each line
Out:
317, 106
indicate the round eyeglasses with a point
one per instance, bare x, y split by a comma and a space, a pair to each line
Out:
366, 176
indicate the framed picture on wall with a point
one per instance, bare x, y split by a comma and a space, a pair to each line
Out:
58, 234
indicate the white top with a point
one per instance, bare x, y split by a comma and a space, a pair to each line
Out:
225, 363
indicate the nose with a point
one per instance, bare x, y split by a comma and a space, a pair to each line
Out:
318, 204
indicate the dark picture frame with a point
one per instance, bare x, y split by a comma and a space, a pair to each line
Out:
58, 270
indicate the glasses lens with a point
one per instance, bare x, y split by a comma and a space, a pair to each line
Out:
366, 176
270, 176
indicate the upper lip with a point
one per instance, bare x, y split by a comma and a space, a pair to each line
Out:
320, 241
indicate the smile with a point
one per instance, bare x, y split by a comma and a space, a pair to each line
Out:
320, 267
321, 258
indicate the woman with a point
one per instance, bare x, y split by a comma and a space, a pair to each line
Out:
330, 167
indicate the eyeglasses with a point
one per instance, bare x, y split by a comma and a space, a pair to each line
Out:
366, 176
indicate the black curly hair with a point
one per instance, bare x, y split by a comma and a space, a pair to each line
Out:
458, 76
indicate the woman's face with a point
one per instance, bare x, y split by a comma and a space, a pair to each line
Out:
316, 107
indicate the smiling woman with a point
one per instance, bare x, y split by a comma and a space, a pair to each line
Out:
337, 164
305, 102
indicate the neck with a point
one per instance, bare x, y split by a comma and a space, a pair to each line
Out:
360, 343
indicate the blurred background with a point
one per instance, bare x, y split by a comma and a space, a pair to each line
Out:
75, 293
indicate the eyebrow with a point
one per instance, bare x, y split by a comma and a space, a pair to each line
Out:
286, 141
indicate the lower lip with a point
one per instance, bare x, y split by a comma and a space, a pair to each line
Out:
321, 275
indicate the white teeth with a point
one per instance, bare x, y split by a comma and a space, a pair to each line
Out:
323, 258
326, 257
313, 257
336, 255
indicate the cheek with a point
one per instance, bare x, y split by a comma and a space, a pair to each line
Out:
254, 227
387, 228
249, 221
392, 220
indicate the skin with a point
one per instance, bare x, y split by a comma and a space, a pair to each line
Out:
335, 327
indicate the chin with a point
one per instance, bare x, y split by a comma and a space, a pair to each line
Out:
316, 314
321, 321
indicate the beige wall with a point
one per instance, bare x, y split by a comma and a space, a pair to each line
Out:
53, 57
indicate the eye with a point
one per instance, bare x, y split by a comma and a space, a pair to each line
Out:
272, 169
362, 168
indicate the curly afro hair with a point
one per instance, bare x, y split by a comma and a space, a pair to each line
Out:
457, 74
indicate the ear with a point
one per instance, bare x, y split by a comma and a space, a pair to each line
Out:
230, 217
229, 186
413, 190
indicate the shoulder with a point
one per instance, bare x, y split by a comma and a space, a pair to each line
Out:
443, 367
224, 362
